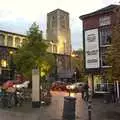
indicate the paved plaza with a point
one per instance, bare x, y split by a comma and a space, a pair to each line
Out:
100, 110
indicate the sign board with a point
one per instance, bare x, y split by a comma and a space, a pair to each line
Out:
92, 49
104, 20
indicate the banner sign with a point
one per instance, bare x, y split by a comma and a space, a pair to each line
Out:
92, 49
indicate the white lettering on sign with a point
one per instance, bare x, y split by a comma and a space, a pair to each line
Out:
91, 38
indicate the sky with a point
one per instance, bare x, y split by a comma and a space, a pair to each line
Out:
18, 15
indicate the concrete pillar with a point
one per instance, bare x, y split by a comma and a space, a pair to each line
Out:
5, 40
14, 40
118, 94
35, 88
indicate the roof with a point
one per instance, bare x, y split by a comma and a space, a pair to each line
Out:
57, 10
12, 33
100, 11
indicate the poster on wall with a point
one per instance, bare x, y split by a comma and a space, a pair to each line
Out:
92, 49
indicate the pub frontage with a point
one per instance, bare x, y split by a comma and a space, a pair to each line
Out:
97, 30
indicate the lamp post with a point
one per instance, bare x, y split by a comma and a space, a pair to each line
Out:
55, 56
11, 66
75, 77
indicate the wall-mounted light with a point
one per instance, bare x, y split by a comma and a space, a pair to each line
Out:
3, 63
11, 52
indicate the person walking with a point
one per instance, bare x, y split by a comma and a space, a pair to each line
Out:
84, 91
86, 87
112, 92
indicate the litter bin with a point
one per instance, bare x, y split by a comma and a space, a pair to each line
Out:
69, 108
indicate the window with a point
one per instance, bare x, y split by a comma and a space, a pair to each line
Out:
54, 48
10, 41
53, 21
2, 37
104, 20
17, 42
104, 61
104, 56
105, 36
103, 50
23, 41
62, 21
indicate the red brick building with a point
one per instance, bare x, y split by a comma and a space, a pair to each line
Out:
96, 39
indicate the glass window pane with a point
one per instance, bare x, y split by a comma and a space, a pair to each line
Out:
10, 41
105, 36
2, 37
17, 42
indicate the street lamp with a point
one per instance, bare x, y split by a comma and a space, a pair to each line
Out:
75, 77
3, 63
55, 56
11, 65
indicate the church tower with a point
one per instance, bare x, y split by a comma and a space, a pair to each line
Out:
58, 31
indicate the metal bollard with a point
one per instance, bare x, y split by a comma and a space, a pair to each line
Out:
69, 108
90, 105
89, 110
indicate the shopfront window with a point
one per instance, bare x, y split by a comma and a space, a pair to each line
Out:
101, 84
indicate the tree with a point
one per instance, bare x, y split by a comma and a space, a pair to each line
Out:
33, 53
113, 52
78, 63
77, 59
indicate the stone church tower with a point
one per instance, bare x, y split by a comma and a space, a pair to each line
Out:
58, 31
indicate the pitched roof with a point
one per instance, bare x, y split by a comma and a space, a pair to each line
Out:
100, 11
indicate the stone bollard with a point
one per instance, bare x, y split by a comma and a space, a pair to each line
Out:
69, 108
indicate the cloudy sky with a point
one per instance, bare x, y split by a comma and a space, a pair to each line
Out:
18, 15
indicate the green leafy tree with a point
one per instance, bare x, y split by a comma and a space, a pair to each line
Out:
113, 55
33, 53
78, 63
113, 52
